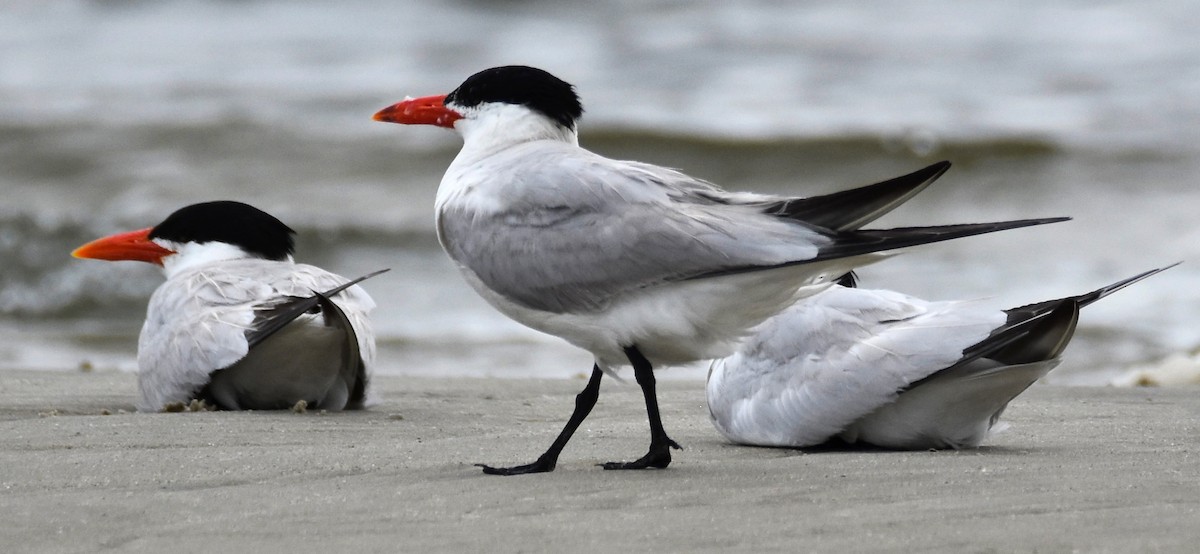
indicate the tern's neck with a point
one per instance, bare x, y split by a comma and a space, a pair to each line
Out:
488, 132
192, 254
495, 127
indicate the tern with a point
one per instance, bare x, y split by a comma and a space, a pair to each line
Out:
885, 369
238, 323
638, 264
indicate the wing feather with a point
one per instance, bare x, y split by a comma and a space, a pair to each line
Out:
823, 364
619, 227
198, 321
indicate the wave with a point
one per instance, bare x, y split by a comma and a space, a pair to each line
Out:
40, 279
636, 143
239, 133
356, 197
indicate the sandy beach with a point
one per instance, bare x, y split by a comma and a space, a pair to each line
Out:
1081, 469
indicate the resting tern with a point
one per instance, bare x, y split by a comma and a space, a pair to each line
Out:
239, 324
886, 369
638, 264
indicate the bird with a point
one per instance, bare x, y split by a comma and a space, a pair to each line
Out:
888, 370
237, 323
640, 265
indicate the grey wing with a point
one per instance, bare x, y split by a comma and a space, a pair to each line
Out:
195, 324
315, 360
352, 299
201, 321
296, 354
824, 363
617, 228
576, 230
269, 321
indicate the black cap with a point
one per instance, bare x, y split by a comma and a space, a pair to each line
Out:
251, 229
524, 86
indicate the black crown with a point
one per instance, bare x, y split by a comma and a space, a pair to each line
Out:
524, 86
253, 230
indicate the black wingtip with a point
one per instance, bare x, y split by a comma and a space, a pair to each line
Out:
877, 240
1037, 309
927, 174
938, 169
352, 282
1041, 331
1088, 298
965, 229
1045, 339
849, 280
290, 310
1042, 221
858, 243
850, 209
1025, 341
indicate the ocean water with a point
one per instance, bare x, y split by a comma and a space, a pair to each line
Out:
113, 114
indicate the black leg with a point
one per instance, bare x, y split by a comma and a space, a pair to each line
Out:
584, 401
659, 455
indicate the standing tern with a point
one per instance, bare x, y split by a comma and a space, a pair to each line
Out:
887, 369
239, 324
638, 264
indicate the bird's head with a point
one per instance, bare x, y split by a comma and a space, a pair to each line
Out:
504, 99
198, 234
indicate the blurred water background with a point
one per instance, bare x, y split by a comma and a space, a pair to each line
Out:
113, 114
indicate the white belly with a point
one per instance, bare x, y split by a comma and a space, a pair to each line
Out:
675, 323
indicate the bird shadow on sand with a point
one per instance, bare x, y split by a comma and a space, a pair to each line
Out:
838, 446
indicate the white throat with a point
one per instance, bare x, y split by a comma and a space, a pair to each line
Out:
491, 127
489, 130
195, 254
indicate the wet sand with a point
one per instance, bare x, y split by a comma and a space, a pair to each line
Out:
1081, 469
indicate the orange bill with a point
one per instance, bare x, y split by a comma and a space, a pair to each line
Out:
134, 246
